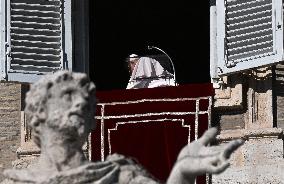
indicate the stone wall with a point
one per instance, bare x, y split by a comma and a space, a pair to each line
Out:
10, 112
259, 160
278, 87
252, 109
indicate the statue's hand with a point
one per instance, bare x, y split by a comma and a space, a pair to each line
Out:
197, 159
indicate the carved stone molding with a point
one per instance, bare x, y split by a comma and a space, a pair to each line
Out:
228, 135
230, 95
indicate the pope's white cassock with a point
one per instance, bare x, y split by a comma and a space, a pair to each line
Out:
148, 73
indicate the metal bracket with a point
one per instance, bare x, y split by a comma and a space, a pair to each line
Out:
8, 49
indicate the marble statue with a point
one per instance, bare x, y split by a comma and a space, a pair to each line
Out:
60, 109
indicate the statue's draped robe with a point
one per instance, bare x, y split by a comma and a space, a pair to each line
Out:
115, 170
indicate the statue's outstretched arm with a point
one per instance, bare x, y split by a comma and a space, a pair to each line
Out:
197, 159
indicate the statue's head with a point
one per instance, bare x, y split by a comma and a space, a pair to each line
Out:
63, 102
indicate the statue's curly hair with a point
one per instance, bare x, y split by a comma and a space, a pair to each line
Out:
39, 94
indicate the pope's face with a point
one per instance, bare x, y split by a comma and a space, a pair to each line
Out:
131, 65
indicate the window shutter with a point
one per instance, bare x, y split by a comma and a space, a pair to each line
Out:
249, 34
36, 34
2, 39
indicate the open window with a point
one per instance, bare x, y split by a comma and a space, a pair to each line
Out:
40, 36
245, 34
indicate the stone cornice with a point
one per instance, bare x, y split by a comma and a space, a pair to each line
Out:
228, 135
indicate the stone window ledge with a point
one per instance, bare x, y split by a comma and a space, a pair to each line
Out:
227, 135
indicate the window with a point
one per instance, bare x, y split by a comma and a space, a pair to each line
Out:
39, 37
120, 28
245, 34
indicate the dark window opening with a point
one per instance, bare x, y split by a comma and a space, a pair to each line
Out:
119, 28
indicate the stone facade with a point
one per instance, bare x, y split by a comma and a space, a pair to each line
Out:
259, 160
278, 87
252, 109
10, 115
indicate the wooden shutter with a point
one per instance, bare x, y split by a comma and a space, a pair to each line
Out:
36, 36
2, 39
249, 34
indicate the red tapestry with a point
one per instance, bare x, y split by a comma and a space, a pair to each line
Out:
151, 125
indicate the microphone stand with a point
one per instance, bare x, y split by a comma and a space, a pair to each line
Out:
157, 48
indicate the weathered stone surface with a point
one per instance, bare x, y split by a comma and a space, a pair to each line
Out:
278, 89
10, 107
247, 134
25, 162
262, 153
230, 95
259, 160
227, 119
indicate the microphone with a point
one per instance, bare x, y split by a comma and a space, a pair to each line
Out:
157, 48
